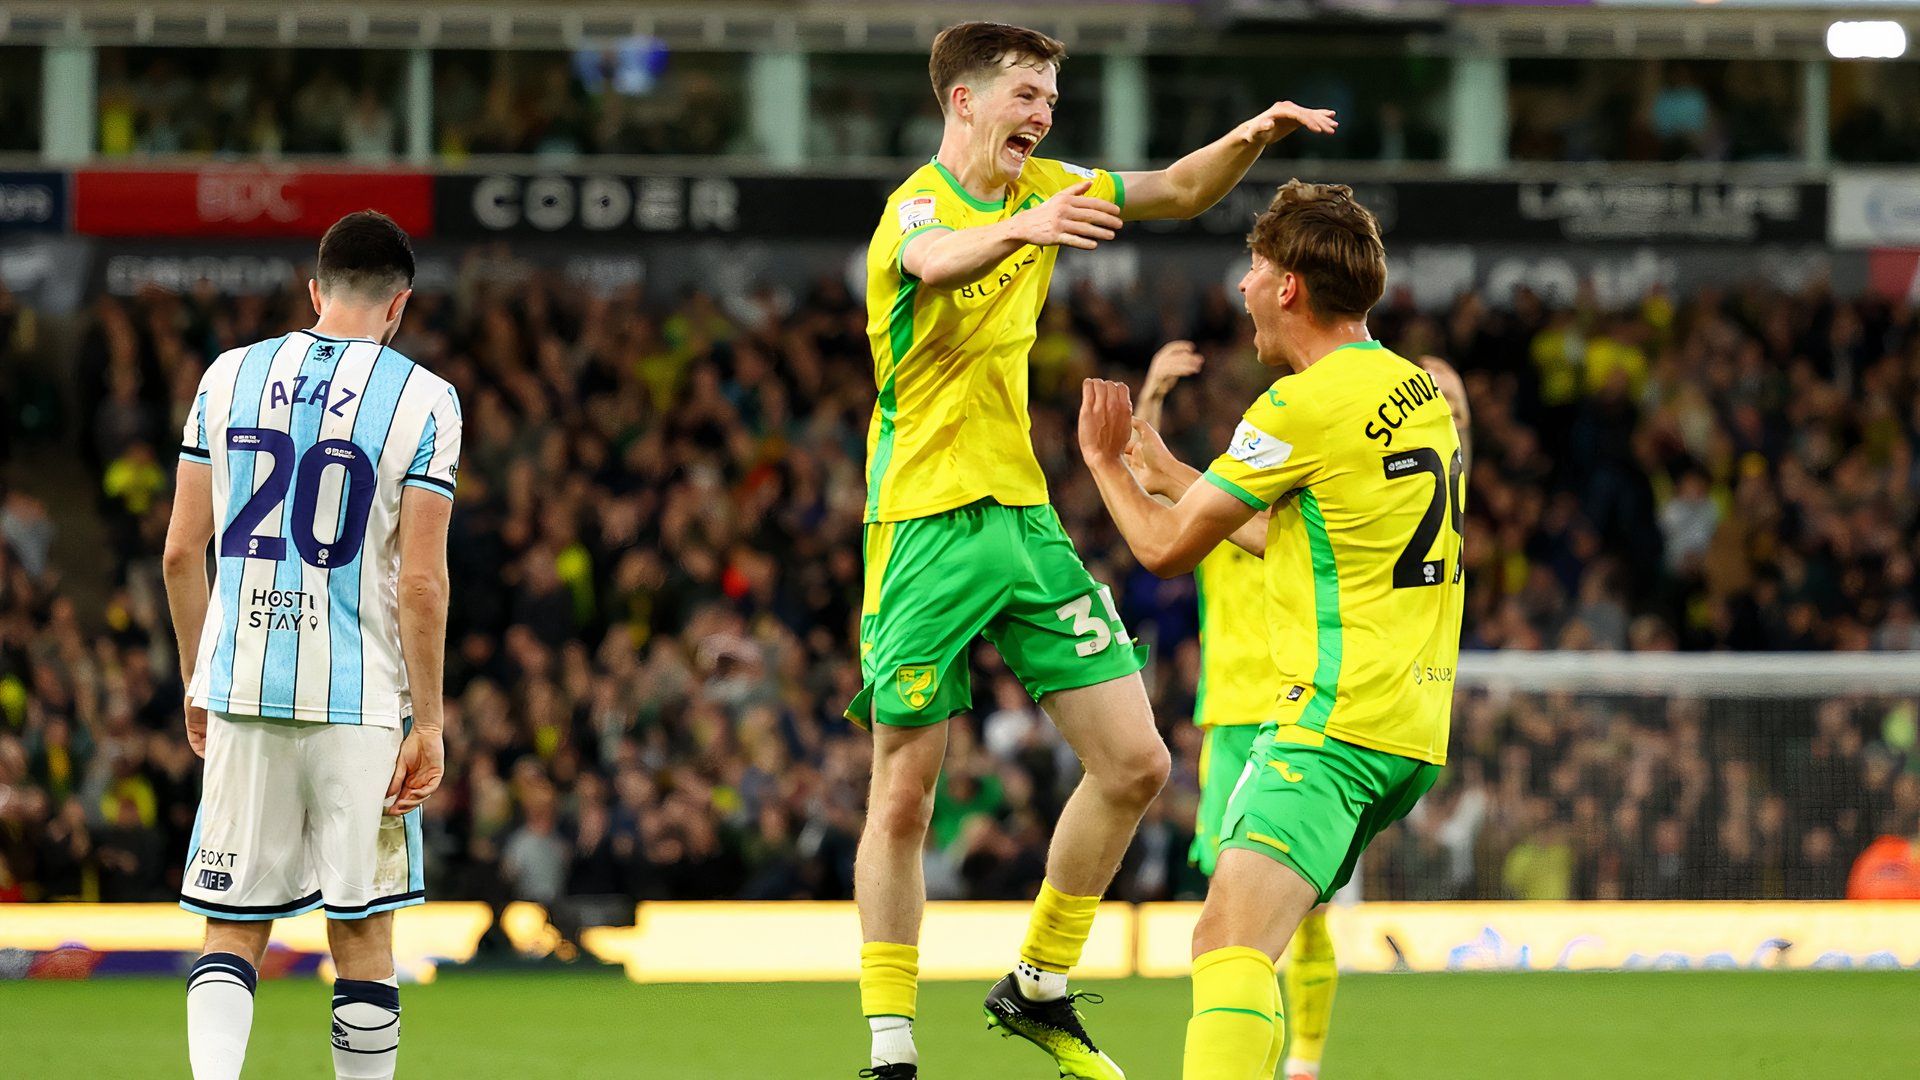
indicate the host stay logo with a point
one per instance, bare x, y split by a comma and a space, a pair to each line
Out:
244, 197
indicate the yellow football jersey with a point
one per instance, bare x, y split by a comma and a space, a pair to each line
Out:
951, 423
1359, 459
1236, 665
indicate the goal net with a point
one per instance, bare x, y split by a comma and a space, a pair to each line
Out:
1614, 776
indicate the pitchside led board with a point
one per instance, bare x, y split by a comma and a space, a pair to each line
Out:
802, 942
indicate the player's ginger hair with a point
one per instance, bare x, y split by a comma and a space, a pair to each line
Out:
1323, 234
965, 50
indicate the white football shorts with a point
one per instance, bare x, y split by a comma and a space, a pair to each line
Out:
292, 819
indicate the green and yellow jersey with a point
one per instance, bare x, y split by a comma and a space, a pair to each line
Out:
1236, 665
1358, 457
951, 423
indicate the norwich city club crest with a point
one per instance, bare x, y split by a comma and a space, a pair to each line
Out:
916, 682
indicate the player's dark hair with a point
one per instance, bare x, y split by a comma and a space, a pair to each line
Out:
1323, 234
965, 50
365, 253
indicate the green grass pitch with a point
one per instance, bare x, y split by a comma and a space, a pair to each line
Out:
1696, 1026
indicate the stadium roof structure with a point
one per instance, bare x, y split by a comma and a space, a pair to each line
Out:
1596, 28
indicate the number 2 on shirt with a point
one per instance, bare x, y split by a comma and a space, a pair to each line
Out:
1413, 570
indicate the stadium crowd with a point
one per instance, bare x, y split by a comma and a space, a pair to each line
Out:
657, 574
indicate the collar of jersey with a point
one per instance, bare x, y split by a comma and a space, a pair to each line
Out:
977, 204
1371, 344
324, 337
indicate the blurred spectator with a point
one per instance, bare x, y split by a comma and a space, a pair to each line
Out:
1888, 870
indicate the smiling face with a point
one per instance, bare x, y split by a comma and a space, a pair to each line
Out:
1016, 112
1008, 112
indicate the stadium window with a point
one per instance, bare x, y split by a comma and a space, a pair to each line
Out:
1864, 123
1391, 108
865, 106
635, 96
252, 103
1564, 109
19, 99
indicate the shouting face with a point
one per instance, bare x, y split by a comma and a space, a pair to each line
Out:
1260, 289
1011, 113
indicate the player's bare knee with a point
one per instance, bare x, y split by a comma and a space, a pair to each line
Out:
1136, 776
901, 808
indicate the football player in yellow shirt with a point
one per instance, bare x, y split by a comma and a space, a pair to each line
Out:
1346, 476
960, 540
1234, 697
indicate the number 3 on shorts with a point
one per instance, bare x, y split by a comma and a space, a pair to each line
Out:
1095, 632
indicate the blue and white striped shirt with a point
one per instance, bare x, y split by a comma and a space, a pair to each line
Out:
312, 440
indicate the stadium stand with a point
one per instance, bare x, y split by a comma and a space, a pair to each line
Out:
669, 494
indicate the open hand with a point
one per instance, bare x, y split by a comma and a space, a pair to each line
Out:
1150, 461
1106, 421
1071, 219
1175, 361
1283, 118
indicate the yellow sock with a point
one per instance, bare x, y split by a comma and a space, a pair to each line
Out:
889, 979
1058, 930
1311, 978
1235, 1014
1271, 1065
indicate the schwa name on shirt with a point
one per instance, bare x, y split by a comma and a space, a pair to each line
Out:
1400, 404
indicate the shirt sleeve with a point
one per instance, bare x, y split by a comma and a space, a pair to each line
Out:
193, 437
1276, 449
1106, 185
914, 212
436, 463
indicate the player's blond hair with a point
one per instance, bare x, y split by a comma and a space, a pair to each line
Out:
1322, 233
965, 51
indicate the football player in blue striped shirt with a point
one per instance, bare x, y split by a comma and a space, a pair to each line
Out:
320, 464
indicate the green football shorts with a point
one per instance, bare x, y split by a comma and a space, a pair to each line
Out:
1010, 573
1223, 757
1315, 803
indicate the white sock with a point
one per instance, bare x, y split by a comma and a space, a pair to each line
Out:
219, 1015
366, 1028
1037, 985
1297, 1067
892, 1041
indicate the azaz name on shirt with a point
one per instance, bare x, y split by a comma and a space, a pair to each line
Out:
278, 395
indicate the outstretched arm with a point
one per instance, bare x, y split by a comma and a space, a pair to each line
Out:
1168, 540
1195, 182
